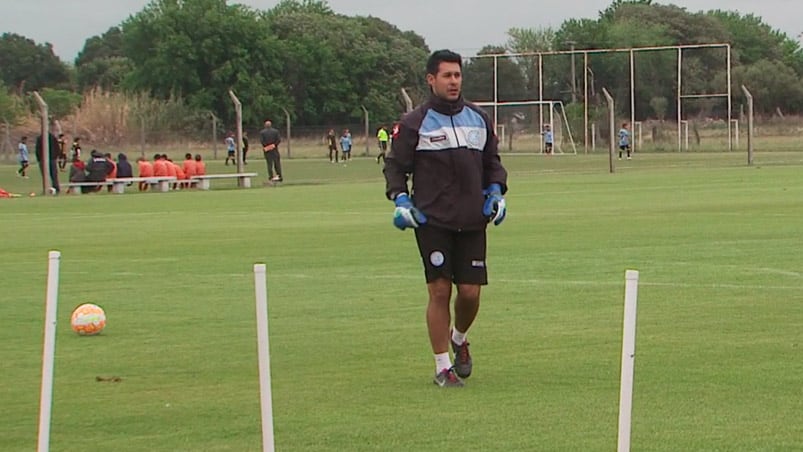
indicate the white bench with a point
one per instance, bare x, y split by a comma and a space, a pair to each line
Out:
204, 182
162, 183
75, 187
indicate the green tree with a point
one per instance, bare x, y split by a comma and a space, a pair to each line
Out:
199, 50
102, 62
11, 108
336, 64
27, 66
60, 103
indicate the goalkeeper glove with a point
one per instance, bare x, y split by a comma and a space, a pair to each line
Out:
494, 207
406, 214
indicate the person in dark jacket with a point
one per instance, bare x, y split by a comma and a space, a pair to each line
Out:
449, 147
270, 146
124, 166
78, 171
97, 168
53, 154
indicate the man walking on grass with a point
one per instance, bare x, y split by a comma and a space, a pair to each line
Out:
448, 147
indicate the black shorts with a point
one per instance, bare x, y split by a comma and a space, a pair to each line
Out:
383, 145
458, 256
231, 153
624, 147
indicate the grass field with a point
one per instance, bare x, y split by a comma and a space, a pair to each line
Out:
719, 337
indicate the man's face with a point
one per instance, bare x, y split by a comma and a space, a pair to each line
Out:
448, 82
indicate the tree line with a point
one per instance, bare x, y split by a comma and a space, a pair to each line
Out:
323, 67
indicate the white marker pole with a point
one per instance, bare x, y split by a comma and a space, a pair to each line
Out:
49, 352
263, 349
628, 360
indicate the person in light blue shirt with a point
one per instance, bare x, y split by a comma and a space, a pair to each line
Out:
22, 147
549, 139
624, 141
231, 148
345, 145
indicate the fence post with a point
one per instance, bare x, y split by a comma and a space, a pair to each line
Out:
6, 148
408, 103
612, 127
367, 130
749, 125
45, 162
288, 128
142, 135
238, 111
214, 135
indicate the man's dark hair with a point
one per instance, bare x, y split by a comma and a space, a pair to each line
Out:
188, 156
442, 56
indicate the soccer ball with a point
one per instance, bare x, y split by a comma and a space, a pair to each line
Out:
88, 319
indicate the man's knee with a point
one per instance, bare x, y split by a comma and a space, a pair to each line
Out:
440, 290
468, 291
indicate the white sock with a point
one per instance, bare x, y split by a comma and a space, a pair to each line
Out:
442, 361
458, 337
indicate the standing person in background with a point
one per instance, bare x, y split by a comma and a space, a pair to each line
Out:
62, 160
53, 170
624, 141
549, 139
231, 149
458, 184
245, 148
270, 146
23, 157
345, 145
382, 138
75, 149
331, 139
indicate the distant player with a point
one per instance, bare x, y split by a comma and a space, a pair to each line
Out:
624, 141
62, 156
382, 137
345, 144
549, 139
231, 148
331, 140
23, 157
75, 150
245, 148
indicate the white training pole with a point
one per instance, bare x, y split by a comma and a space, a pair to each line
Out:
628, 360
49, 353
263, 348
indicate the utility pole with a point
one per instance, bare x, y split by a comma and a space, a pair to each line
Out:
574, 74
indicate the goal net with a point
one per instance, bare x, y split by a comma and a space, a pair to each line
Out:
525, 126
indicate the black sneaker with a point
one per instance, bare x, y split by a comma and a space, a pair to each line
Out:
447, 379
462, 359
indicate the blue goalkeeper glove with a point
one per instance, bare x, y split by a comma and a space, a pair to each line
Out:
494, 207
406, 214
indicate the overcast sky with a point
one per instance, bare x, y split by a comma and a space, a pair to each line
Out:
461, 25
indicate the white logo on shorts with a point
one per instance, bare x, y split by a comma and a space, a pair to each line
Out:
436, 258
478, 264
